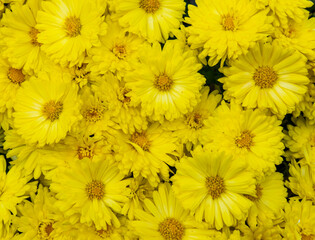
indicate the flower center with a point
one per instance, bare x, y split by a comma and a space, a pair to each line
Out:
16, 76
73, 26
258, 194
120, 51
122, 96
194, 120
33, 34
307, 237
141, 139
265, 77
150, 6
52, 110
85, 152
45, 229
228, 23
163, 82
245, 140
171, 229
215, 186
95, 189
93, 114
105, 233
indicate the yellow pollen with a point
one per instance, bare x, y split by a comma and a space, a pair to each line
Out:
228, 23
93, 114
85, 152
163, 82
33, 34
72, 26
150, 6
52, 110
307, 237
120, 51
141, 139
45, 229
105, 233
245, 140
194, 120
258, 194
95, 189
122, 96
215, 186
16, 76
171, 229
265, 77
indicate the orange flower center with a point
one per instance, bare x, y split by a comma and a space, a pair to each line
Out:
105, 233
228, 23
16, 76
52, 110
141, 139
171, 229
86, 151
194, 120
215, 186
33, 34
45, 229
265, 77
95, 189
245, 140
307, 237
72, 26
120, 51
150, 6
163, 82
93, 114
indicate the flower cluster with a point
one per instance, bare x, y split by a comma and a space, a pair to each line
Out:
157, 119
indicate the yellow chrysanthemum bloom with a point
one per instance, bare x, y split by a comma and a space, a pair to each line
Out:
20, 36
225, 29
166, 81
250, 136
119, 49
269, 77
152, 19
270, 199
300, 139
46, 108
89, 192
302, 181
298, 36
122, 104
285, 10
11, 80
140, 189
166, 219
211, 185
14, 188
299, 220
189, 128
85, 232
147, 153
68, 28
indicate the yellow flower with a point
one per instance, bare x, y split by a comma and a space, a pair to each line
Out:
68, 28
225, 29
147, 153
166, 82
46, 108
152, 19
250, 136
211, 186
269, 77
20, 36
302, 181
90, 192
166, 219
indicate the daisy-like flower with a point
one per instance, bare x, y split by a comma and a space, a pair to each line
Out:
269, 77
249, 135
166, 82
285, 10
225, 29
14, 188
11, 80
119, 49
166, 219
189, 128
298, 36
152, 19
68, 28
20, 36
46, 108
211, 186
270, 199
89, 192
147, 153
302, 181
299, 220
